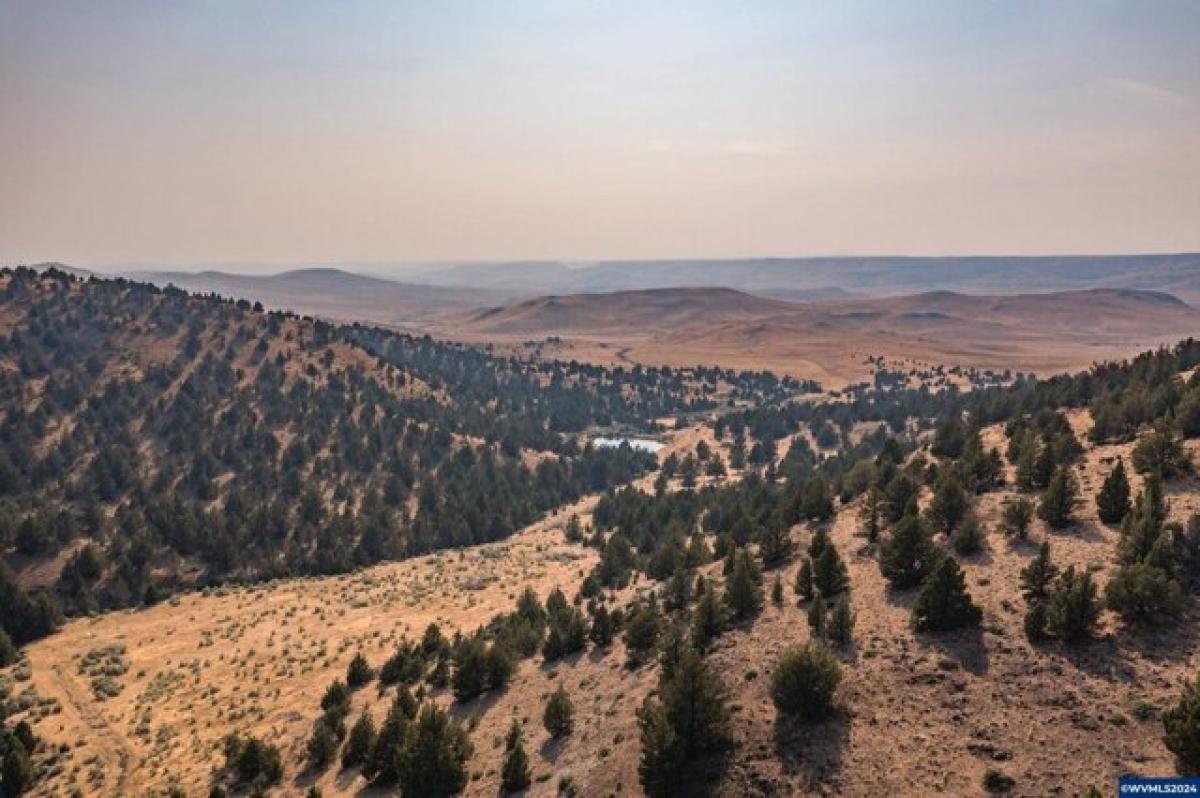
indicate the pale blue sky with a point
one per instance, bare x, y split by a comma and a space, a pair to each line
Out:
287, 132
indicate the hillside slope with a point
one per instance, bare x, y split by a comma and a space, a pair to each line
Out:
831, 340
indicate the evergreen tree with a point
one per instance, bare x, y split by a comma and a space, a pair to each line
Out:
743, 591
601, 633
943, 603
907, 554
1181, 725
871, 513
816, 615
804, 681
1058, 503
322, 745
709, 617
1112, 502
1017, 516
1037, 578
16, 769
950, 503
968, 536
641, 633
1143, 594
829, 572
559, 715
697, 704
8, 652
359, 672
1160, 452
775, 544
841, 621
1073, 609
804, 580
663, 761
777, 591
514, 772
434, 757
1143, 525
360, 742
380, 765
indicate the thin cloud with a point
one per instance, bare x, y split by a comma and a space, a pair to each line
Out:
1148, 92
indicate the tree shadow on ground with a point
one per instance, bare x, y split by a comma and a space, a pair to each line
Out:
812, 752
965, 648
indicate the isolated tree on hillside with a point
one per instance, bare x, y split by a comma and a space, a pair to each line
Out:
1059, 500
944, 603
804, 681
559, 715
1112, 502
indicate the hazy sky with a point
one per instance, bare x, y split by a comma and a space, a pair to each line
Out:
288, 132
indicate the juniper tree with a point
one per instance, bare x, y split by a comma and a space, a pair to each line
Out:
804, 681
777, 591
1143, 594
775, 544
950, 503
689, 719
1181, 724
803, 584
817, 615
514, 772
908, 554
433, 759
871, 512
1017, 516
601, 632
1160, 452
1073, 609
1112, 502
558, 717
1142, 527
1060, 498
709, 617
743, 591
944, 603
967, 538
829, 572
841, 621
359, 672
359, 743
1037, 578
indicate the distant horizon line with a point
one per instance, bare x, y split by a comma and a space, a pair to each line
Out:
197, 267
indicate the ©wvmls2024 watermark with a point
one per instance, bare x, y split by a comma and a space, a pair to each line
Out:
1139, 785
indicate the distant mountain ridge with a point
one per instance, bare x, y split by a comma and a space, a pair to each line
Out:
1178, 274
333, 293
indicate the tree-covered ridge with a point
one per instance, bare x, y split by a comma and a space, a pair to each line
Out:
152, 438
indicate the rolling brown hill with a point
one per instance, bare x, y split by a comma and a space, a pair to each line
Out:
830, 340
335, 294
